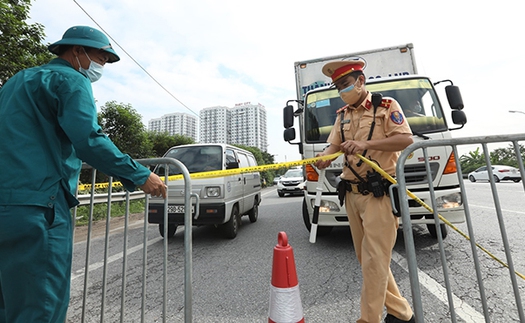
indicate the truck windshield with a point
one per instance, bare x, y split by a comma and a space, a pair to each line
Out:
195, 158
416, 97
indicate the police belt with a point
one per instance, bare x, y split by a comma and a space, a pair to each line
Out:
363, 187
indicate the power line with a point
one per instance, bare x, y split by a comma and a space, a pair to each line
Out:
138, 64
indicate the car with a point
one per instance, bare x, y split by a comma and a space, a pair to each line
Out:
276, 180
222, 200
500, 173
292, 182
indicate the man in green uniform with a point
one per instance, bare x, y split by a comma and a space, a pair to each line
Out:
48, 126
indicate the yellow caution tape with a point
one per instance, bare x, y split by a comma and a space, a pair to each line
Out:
228, 172
418, 200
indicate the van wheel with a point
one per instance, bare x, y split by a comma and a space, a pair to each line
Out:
172, 227
231, 227
253, 214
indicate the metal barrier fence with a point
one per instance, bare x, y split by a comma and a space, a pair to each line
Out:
83, 308
415, 275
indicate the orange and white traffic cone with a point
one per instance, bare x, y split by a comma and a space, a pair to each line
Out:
285, 299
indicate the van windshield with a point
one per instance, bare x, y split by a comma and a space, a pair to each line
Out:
196, 159
416, 97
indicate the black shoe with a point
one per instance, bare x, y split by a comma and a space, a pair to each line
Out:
392, 319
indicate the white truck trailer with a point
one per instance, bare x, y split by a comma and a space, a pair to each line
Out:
392, 72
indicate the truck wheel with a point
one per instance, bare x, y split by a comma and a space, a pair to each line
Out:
253, 214
321, 231
231, 227
433, 231
472, 179
172, 227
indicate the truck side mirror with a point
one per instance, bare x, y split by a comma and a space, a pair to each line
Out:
288, 117
454, 97
458, 117
289, 134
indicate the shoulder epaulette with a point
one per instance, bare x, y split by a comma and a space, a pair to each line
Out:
342, 109
385, 103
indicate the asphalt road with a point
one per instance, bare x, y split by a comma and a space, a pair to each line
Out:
231, 278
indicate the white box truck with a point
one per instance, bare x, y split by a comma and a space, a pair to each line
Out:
392, 72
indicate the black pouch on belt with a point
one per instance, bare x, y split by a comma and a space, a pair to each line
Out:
375, 183
341, 190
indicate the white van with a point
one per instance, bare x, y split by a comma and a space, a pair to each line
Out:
223, 200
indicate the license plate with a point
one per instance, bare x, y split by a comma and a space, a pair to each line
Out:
178, 209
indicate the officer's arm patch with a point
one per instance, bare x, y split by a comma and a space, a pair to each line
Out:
397, 117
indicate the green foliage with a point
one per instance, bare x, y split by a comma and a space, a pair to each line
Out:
500, 156
123, 125
263, 158
100, 210
20, 43
161, 142
506, 156
471, 161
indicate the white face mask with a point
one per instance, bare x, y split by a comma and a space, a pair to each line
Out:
94, 71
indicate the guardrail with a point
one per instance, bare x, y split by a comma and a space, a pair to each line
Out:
409, 239
84, 312
85, 199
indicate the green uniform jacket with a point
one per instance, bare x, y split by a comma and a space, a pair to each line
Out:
48, 126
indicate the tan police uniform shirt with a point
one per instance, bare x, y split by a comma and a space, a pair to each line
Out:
390, 121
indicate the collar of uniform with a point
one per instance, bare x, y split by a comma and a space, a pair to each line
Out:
366, 104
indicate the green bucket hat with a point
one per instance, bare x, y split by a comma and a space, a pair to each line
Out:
85, 36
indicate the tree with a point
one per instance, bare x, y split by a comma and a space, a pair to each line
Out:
263, 158
161, 142
20, 43
472, 161
506, 156
499, 156
123, 125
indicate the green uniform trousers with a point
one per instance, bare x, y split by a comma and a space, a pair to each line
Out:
35, 262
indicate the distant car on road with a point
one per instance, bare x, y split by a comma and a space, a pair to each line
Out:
276, 180
500, 173
292, 182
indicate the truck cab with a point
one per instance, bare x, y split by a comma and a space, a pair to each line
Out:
423, 110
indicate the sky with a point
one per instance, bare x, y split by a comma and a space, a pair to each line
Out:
207, 53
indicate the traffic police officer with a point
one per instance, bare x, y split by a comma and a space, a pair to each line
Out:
48, 122
380, 132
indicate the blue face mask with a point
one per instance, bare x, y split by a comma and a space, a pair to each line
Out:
351, 94
347, 89
94, 71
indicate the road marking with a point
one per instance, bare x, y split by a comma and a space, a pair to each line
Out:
115, 257
463, 310
493, 208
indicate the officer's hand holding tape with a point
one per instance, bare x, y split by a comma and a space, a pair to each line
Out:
350, 147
